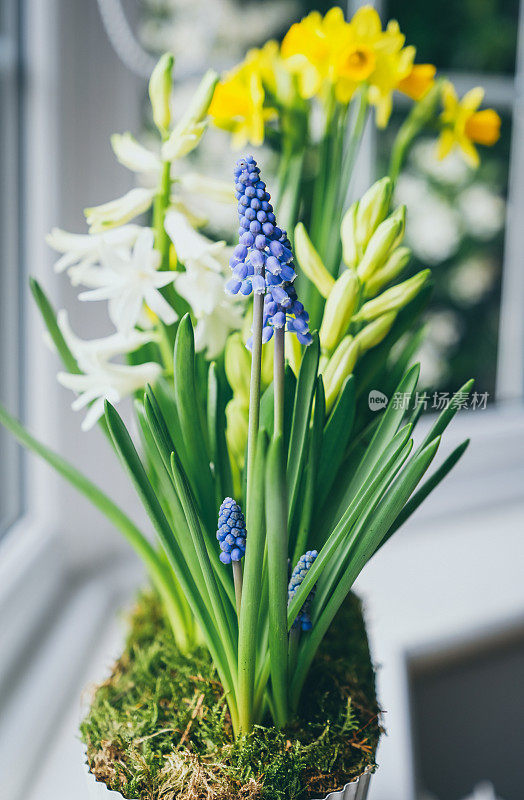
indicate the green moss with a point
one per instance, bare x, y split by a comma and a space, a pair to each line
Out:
159, 729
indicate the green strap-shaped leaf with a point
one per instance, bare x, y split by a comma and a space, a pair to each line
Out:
192, 424
371, 534
160, 574
360, 505
165, 400
300, 424
388, 426
158, 427
445, 417
222, 611
426, 489
135, 469
216, 424
49, 316
277, 555
336, 438
310, 487
252, 591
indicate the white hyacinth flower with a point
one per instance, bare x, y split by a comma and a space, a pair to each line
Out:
129, 283
83, 249
97, 351
133, 155
187, 189
106, 381
118, 212
203, 284
100, 379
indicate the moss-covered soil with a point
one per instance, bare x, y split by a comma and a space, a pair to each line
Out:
159, 729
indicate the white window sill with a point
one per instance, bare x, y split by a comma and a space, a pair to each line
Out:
40, 752
442, 584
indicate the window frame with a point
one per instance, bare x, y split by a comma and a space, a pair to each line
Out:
11, 250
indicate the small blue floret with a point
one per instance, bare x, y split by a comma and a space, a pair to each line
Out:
262, 262
297, 576
231, 531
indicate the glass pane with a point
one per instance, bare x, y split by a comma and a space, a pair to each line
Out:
10, 273
455, 226
467, 722
472, 35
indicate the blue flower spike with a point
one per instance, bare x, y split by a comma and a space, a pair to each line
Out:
262, 262
231, 531
304, 564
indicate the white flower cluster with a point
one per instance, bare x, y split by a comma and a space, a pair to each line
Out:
117, 262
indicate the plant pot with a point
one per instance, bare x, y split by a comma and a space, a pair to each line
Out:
356, 790
152, 680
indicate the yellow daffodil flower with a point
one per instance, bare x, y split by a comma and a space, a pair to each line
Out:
419, 80
394, 63
238, 104
347, 55
365, 45
310, 48
464, 126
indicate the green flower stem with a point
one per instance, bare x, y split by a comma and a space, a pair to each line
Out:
162, 244
160, 206
353, 146
277, 544
294, 641
254, 395
252, 591
249, 608
420, 115
237, 579
278, 381
289, 196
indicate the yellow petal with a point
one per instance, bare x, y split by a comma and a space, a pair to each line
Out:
472, 99
445, 143
483, 127
366, 23
419, 80
469, 152
449, 96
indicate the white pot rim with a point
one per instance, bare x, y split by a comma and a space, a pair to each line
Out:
355, 790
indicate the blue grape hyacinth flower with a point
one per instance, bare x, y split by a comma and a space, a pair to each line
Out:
231, 531
262, 262
297, 576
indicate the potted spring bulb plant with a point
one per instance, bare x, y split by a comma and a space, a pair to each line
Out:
268, 477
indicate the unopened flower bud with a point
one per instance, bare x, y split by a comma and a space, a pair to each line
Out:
373, 333
339, 368
236, 432
339, 309
187, 133
399, 214
266, 364
348, 237
394, 298
160, 85
311, 263
372, 210
238, 366
293, 352
380, 246
393, 267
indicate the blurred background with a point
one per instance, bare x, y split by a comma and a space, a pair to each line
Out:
445, 600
